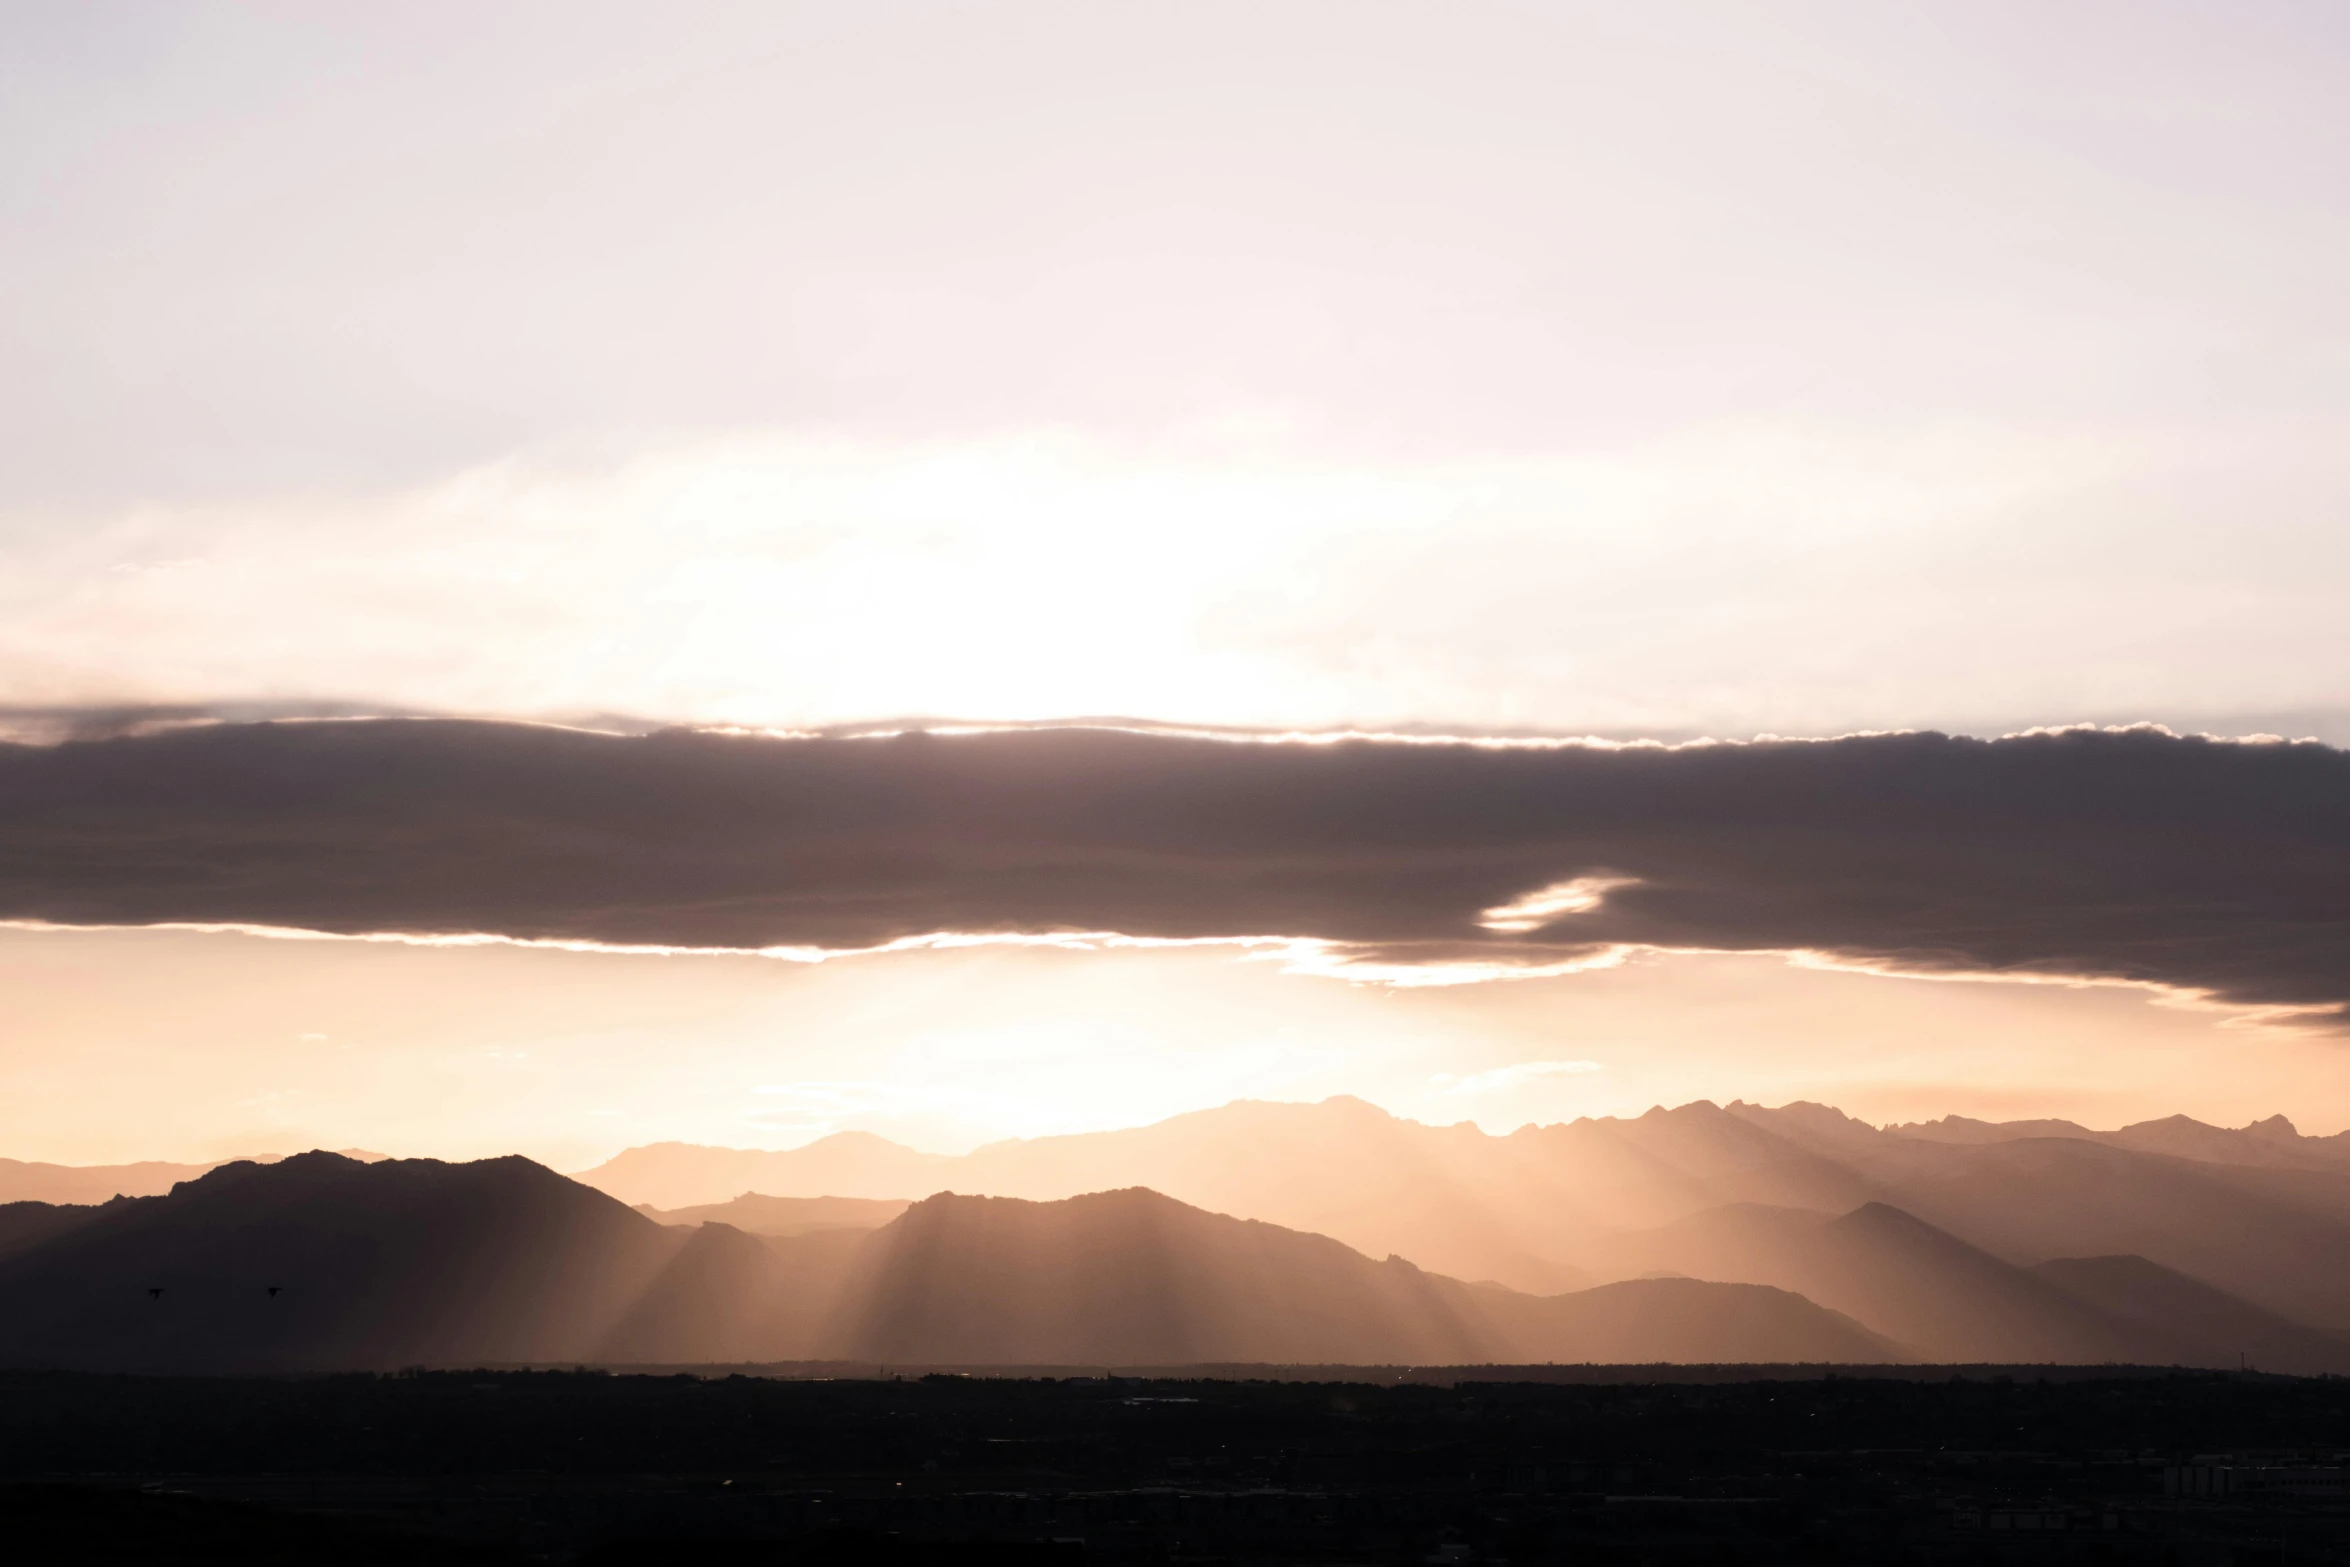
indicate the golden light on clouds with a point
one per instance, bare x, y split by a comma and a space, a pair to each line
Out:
189, 1045
1500, 371
1734, 580
1538, 908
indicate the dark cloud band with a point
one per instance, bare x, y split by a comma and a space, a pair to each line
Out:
2135, 855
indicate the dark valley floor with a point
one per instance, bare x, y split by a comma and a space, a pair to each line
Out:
2198, 1469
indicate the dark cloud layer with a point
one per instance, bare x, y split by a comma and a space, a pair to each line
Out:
2137, 855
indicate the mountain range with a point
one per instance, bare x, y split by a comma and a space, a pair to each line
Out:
23, 1181
2259, 1211
1257, 1232
320, 1262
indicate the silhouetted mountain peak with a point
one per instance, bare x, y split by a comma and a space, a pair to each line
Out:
325, 1262
1348, 1104
1817, 1126
319, 1172
2179, 1123
1129, 1201
1883, 1222
859, 1139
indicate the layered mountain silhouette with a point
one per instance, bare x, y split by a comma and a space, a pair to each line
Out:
763, 1215
1701, 1233
320, 1262
1133, 1277
2274, 1141
21, 1181
1514, 1209
2257, 1212
1949, 1301
323, 1262
2158, 1303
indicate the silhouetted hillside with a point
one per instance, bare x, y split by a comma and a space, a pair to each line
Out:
1647, 1321
728, 1296
1930, 1291
846, 1164
24, 1225
2221, 1329
2278, 1237
91, 1183
372, 1265
761, 1215
1520, 1210
1441, 1196
94, 1183
323, 1263
1134, 1277
2256, 1211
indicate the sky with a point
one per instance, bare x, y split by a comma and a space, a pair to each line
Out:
1677, 373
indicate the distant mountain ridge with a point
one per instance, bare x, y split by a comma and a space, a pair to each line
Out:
756, 1214
1959, 1241
323, 1263
21, 1181
1543, 1209
2274, 1141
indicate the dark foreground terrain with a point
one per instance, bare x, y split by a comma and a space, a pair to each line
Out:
501, 1467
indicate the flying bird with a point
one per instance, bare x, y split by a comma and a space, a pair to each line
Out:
156, 1293
273, 1289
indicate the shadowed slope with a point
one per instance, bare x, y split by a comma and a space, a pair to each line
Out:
846, 1164
377, 1265
322, 1263
1543, 1208
1449, 1197
1950, 1301
1132, 1277
1644, 1321
2220, 1327
75, 1184
2278, 1237
24, 1225
21, 1181
1520, 1210
756, 1214
1930, 1291
727, 1296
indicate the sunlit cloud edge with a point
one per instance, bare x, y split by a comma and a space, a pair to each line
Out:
1312, 957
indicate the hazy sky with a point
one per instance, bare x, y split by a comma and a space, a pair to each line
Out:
1663, 370
1634, 368
130, 1045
